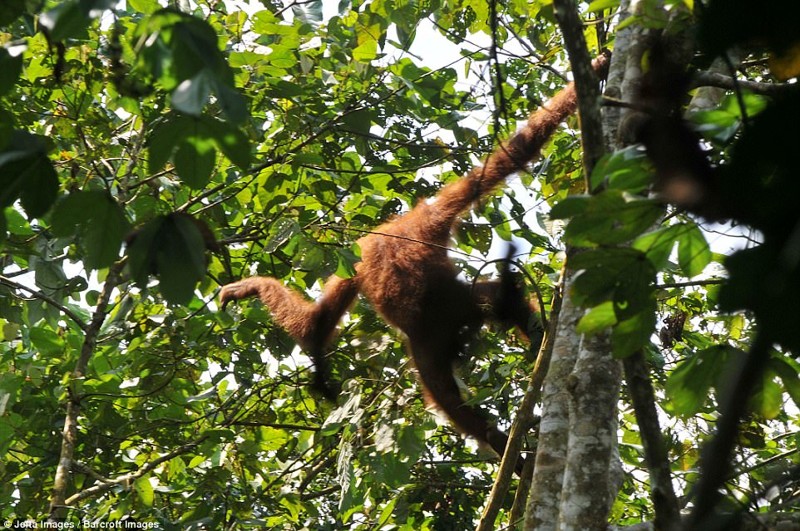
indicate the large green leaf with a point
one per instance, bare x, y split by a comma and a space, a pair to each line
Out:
145, 490
182, 52
789, 373
70, 18
64, 21
10, 68
189, 142
623, 170
694, 254
27, 174
194, 161
233, 143
688, 386
173, 248
46, 341
192, 94
658, 244
100, 222
620, 275
608, 218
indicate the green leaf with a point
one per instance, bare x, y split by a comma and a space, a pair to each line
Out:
10, 69
17, 224
658, 244
192, 94
722, 123
64, 21
631, 335
787, 371
40, 189
284, 57
180, 259
625, 170
182, 53
476, 235
570, 206
27, 174
688, 385
768, 399
144, 6
163, 139
310, 11
387, 512
623, 276
46, 341
612, 217
233, 143
284, 230
231, 101
359, 121
49, 275
176, 130
600, 5
142, 249
71, 18
172, 247
309, 256
195, 48
597, 319
694, 254
100, 221
346, 260
144, 489
194, 161
366, 52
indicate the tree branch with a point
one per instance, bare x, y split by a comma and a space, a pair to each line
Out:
715, 79
665, 503
49, 300
691, 283
715, 457
522, 423
586, 83
107, 484
70, 433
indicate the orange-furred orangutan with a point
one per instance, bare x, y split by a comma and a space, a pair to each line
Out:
408, 278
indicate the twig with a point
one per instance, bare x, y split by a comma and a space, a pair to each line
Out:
714, 79
46, 298
125, 479
522, 422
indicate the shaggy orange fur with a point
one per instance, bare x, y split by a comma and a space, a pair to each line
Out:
406, 275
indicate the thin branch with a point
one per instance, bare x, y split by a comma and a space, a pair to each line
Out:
586, 83
125, 479
46, 298
714, 79
715, 460
70, 433
522, 423
640, 388
502, 104
691, 283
